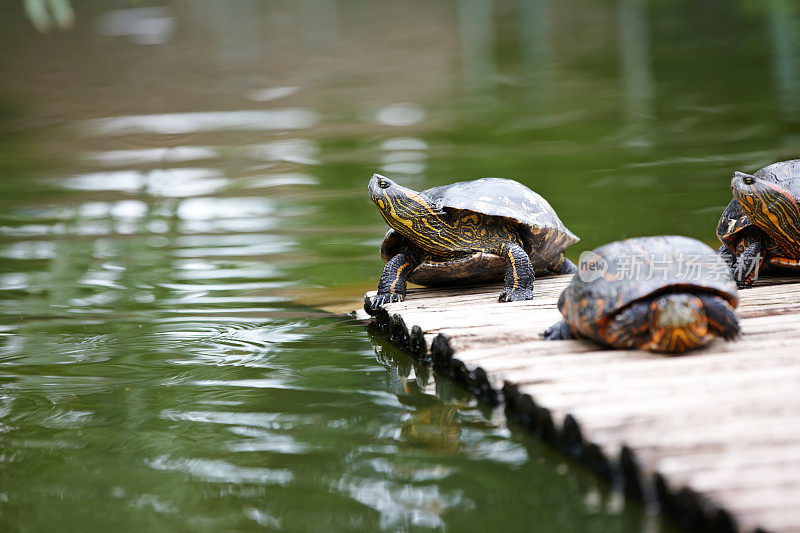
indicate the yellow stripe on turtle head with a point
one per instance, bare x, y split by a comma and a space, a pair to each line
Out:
772, 208
415, 216
410, 213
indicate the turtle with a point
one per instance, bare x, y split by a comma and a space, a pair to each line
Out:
760, 227
664, 294
467, 232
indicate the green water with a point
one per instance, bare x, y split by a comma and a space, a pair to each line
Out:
182, 187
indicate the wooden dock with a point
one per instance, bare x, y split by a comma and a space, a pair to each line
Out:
712, 437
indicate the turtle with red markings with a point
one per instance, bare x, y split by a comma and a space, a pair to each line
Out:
760, 227
664, 294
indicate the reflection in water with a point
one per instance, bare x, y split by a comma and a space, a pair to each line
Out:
400, 115
443, 420
319, 23
152, 155
536, 47
175, 123
161, 182
475, 18
143, 25
302, 151
271, 93
45, 14
639, 86
404, 156
221, 471
785, 32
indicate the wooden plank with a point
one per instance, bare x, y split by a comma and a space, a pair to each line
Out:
712, 437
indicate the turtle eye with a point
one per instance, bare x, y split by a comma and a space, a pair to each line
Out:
383, 184
749, 180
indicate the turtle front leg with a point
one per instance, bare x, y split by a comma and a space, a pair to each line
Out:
727, 256
392, 285
519, 275
560, 331
563, 266
746, 268
629, 328
721, 317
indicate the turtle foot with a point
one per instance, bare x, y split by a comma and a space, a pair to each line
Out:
732, 336
558, 332
565, 267
516, 295
372, 306
727, 256
745, 271
743, 278
731, 330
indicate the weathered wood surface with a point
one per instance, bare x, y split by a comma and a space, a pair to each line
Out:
712, 436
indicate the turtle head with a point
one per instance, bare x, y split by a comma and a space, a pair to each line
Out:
677, 323
410, 213
771, 207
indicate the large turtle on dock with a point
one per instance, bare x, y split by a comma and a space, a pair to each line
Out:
664, 294
761, 225
467, 232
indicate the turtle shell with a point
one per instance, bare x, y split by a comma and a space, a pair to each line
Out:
618, 274
543, 234
734, 220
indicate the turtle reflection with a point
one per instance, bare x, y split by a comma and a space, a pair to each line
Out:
431, 422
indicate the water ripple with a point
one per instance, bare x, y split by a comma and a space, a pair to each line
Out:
120, 158
170, 182
218, 471
402, 504
263, 420
178, 123
260, 440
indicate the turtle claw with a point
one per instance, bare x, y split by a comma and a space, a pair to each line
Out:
558, 332
742, 281
727, 256
745, 271
730, 332
739, 273
732, 336
517, 295
380, 300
